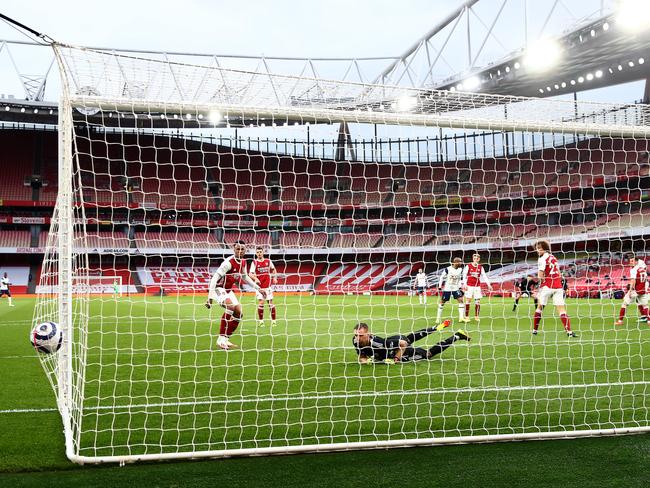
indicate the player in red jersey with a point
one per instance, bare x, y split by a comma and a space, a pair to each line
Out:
263, 271
638, 289
231, 272
473, 276
550, 286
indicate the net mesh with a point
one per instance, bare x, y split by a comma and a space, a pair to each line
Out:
349, 189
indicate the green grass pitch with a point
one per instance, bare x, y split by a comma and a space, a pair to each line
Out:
154, 378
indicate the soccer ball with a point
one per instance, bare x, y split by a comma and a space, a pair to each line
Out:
46, 337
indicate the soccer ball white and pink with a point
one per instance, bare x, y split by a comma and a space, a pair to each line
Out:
46, 337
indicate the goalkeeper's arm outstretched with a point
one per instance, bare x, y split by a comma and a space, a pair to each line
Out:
399, 348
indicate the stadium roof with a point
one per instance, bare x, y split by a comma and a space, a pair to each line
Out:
598, 54
598, 50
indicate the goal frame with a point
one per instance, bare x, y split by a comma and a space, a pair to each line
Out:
68, 403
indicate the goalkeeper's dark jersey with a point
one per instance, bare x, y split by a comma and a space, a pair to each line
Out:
379, 348
522, 284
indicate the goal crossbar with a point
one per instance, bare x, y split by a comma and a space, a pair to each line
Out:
316, 115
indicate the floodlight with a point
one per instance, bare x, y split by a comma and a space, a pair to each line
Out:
543, 55
214, 117
633, 14
472, 83
406, 103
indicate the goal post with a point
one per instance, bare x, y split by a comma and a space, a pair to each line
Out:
163, 166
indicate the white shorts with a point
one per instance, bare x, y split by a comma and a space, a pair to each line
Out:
545, 293
474, 292
269, 294
221, 295
640, 299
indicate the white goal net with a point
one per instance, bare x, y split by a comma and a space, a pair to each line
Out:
350, 190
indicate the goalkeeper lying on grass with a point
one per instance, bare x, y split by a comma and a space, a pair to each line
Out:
399, 348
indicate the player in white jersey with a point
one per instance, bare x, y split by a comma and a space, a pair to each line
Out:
421, 286
451, 282
4, 288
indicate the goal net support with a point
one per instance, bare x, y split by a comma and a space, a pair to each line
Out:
350, 188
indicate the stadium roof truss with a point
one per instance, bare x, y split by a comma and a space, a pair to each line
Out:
595, 50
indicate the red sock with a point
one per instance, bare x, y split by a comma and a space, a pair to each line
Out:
477, 308
467, 310
566, 322
260, 312
224, 325
231, 325
621, 314
536, 318
272, 307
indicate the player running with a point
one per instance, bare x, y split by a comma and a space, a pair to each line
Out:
4, 288
231, 272
264, 273
550, 279
638, 290
399, 348
421, 286
473, 276
452, 279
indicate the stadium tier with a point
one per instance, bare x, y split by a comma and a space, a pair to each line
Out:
487, 201
15, 238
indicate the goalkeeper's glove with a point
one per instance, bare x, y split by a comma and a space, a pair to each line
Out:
389, 361
370, 360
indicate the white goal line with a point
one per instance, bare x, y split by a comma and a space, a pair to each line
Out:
337, 396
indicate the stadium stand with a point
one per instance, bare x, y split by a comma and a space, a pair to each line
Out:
157, 239
303, 239
406, 240
15, 238
16, 161
259, 238
355, 240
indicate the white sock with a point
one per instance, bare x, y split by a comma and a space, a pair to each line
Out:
9, 298
424, 299
461, 311
439, 316
222, 340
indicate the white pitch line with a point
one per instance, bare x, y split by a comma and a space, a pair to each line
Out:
344, 347
335, 396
